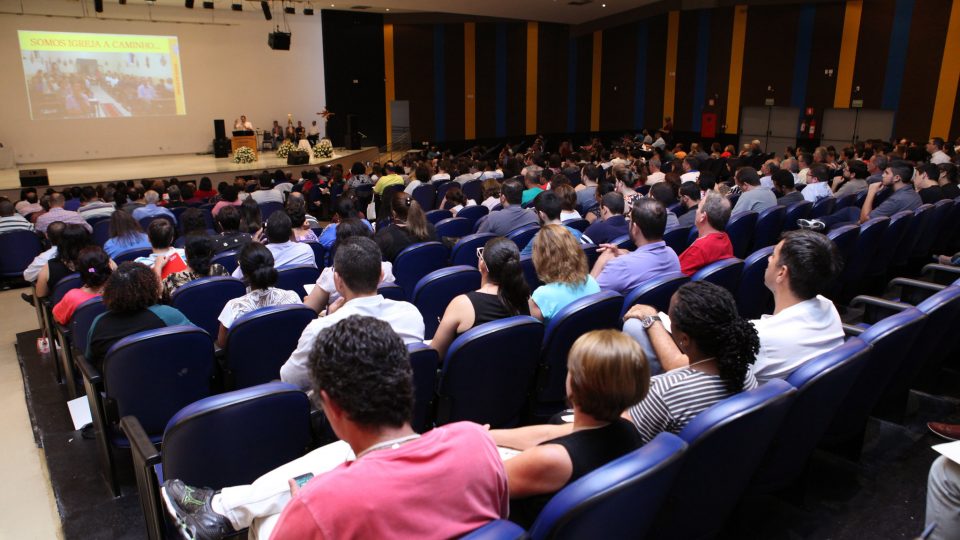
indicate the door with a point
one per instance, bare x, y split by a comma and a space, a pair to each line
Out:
774, 127
843, 127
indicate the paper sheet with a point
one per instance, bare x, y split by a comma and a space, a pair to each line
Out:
951, 450
80, 412
507, 453
665, 320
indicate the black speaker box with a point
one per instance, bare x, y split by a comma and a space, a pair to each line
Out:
221, 148
33, 177
219, 132
351, 141
298, 158
279, 41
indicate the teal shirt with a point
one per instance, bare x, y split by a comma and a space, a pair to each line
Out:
530, 194
553, 297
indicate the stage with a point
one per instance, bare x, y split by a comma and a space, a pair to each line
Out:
183, 166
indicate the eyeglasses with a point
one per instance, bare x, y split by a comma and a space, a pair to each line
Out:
480, 253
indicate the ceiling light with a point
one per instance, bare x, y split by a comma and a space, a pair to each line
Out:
290, 10
308, 9
208, 5
188, 4
237, 6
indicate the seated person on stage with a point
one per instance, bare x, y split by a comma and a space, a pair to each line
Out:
10, 220
278, 232
357, 273
606, 374
381, 480
325, 291
503, 293
242, 124
548, 208
296, 209
712, 244
151, 209
72, 240
199, 251
896, 181
132, 298
160, 232
266, 193
612, 223
512, 216
57, 213
690, 199
408, 225
785, 183
621, 270
753, 197
313, 133
93, 265
230, 238
260, 276
92, 206
562, 267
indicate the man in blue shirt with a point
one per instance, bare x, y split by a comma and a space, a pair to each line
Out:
548, 210
151, 209
612, 224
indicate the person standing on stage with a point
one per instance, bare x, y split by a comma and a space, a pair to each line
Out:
243, 124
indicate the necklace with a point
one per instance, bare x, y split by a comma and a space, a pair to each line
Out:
711, 359
393, 444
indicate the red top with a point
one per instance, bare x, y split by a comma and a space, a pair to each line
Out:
705, 250
64, 309
445, 484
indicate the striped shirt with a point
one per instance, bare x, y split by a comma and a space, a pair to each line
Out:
14, 223
677, 397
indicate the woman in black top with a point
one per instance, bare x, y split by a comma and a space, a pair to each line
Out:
503, 293
73, 239
606, 373
408, 226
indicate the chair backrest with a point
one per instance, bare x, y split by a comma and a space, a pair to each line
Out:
151, 375
474, 190
578, 224
293, 278
145, 222
488, 388
435, 291
823, 207
948, 232
101, 232
740, 229
618, 500
769, 226
800, 210
529, 272
865, 249
753, 296
131, 254
227, 259
436, 216
624, 242
725, 273
718, 465
202, 300
590, 250
465, 250
849, 199
916, 228
425, 363
259, 342
441, 190
522, 236
65, 285
822, 383
678, 238
594, 312
319, 254
455, 227
655, 292
425, 194
498, 529
845, 238
392, 291
931, 231
268, 208
233, 438
416, 261
473, 214
890, 243
83, 318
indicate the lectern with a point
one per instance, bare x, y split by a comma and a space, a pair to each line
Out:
250, 141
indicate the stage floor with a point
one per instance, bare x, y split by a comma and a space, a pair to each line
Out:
183, 166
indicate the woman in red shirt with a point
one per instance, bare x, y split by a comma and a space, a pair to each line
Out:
94, 266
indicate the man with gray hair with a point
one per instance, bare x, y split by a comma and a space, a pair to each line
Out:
875, 166
766, 173
712, 243
151, 209
656, 175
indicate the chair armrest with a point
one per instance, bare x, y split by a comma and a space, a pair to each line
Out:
852, 331
943, 274
143, 450
913, 291
876, 309
145, 456
90, 373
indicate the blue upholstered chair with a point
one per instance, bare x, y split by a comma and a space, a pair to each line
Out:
392, 291
655, 292
436, 216
578, 224
769, 227
864, 252
227, 259
753, 297
522, 236
474, 190
915, 229
473, 213
465, 250
849, 199
425, 363
890, 243
416, 261
319, 254
845, 238
725, 273
259, 342
425, 194
678, 238
490, 388
202, 300
455, 227
145, 222
131, 254
268, 208
293, 278
590, 250
937, 221
624, 242
823, 207
442, 189
435, 291
101, 232
740, 229
498, 529
800, 210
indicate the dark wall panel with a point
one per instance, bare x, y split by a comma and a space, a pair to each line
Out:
552, 78
872, 50
928, 34
686, 70
718, 64
656, 68
516, 78
617, 78
765, 64
413, 64
486, 80
824, 54
454, 82
584, 77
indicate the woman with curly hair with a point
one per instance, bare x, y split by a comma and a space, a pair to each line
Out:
715, 346
562, 266
93, 265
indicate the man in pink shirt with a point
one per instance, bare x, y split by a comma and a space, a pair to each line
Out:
443, 484
57, 213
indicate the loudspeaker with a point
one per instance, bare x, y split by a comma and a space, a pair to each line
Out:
265, 6
33, 177
298, 157
279, 41
221, 148
219, 131
351, 141
188, 4
98, 6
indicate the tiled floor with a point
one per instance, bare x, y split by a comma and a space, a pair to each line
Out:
27, 505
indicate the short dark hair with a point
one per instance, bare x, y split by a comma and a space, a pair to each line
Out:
229, 218
650, 216
613, 202
357, 262
363, 366
812, 259
160, 233
706, 181
296, 209
902, 169
820, 172
664, 193
929, 169
512, 190
257, 265
193, 222
132, 287
88, 192
748, 175
279, 228
691, 190
858, 169
6, 208
549, 203
783, 179
200, 251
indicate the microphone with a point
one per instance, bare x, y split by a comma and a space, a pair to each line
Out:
360, 133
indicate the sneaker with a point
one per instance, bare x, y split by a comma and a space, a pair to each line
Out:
811, 224
191, 508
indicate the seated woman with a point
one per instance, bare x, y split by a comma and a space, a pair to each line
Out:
562, 267
200, 251
708, 353
228, 197
325, 292
491, 193
72, 240
408, 226
256, 263
503, 293
160, 232
125, 234
192, 223
132, 298
296, 208
251, 220
93, 265
230, 236
455, 200
606, 374
568, 201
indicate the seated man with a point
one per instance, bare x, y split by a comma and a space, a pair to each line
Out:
690, 199
531, 183
57, 213
161, 233
381, 480
666, 193
151, 209
356, 274
712, 244
10, 220
92, 206
279, 231
265, 192
785, 183
754, 197
612, 223
548, 207
818, 183
512, 216
230, 238
622, 270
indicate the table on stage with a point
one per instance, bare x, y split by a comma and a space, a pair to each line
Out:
250, 141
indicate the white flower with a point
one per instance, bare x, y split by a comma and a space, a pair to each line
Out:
285, 149
244, 155
323, 149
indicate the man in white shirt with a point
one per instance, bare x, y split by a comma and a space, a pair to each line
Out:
243, 124
267, 193
313, 133
442, 172
818, 183
804, 324
279, 230
935, 148
357, 273
766, 173
656, 176
691, 172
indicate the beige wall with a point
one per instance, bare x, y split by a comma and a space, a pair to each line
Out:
227, 69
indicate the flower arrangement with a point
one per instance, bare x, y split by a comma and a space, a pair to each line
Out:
323, 149
285, 149
244, 154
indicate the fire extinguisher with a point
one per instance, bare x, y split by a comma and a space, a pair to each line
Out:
803, 126
813, 128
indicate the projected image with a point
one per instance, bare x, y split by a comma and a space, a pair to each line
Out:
74, 75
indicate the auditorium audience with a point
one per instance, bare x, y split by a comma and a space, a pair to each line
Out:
818, 183
948, 180
408, 226
230, 237
29, 203
32, 272
712, 244
151, 210
160, 232
357, 273
199, 251
754, 197
392, 178
192, 223
296, 209
503, 293
204, 189
548, 207
57, 213
344, 210
562, 267
568, 201
612, 223
72, 240
784, 182
265, 192
927, 183
10, 220
667, 193
853, 180
454, 200
286, 252
125, 234
251, 220
93, 265
512, 216
259, 275
92, 206
491, 193
228, 196
690, 196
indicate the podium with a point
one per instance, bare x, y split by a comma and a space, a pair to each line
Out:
250, 141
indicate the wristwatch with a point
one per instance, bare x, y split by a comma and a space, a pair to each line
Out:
648, 321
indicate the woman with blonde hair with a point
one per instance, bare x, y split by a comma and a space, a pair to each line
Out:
607, 373
562, 266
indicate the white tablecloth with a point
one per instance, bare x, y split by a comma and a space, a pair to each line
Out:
304, 145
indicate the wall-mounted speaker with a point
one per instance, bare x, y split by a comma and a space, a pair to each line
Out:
265, 6
279, 41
